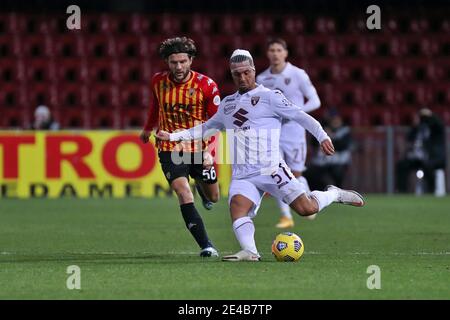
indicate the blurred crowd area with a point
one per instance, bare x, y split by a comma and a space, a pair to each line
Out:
98, 77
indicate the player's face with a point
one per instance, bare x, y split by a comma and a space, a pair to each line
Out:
179, 66
243, 76
276, 54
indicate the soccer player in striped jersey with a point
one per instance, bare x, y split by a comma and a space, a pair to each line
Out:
183, 98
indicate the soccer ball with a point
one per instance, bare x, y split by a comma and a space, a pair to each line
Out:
287, 246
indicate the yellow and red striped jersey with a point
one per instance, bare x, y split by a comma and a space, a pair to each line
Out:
178, 106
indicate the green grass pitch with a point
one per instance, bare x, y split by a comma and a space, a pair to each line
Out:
140, 249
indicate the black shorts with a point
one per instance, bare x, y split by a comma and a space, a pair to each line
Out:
190, 164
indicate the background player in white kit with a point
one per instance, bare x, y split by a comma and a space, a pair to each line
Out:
295, 84
254, 115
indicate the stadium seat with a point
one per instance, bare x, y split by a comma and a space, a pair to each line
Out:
69, 45
41, 93
293, 24
199, 25
133, 118
9, 23
222, 46
12, 118
12, 96
73, 118
131, 47
36, 46
103, 71
72, 96
440, 95
419, 25
11, 70
103, 96
227, 24
325, 25
135, 72
10, 46
39, 70
99, 46
29, 24
71, 70
134, 96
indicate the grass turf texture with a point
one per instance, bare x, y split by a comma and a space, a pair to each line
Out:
140, 249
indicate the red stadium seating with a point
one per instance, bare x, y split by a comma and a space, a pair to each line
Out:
100, 75
39, 70
103, 71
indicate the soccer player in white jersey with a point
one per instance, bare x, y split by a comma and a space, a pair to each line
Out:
253, 117
295, 84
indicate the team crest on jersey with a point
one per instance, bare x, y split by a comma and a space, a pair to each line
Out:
254, 100
287, 81
191, 92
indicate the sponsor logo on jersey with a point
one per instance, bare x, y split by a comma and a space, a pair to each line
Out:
229, 99
229, 108
240, 117
254, 100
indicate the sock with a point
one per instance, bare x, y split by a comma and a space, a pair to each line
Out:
195, 224
304, 182
324, 198
285, 209
244, 229
201, 193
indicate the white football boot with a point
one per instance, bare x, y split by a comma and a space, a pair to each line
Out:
349, 197
243, 255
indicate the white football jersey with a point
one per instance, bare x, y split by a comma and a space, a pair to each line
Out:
295, 84
253, 122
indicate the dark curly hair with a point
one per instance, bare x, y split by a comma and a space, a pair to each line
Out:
177, 45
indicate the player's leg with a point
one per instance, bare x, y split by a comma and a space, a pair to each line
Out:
177, 176
306, 205
286, 219
284, 186
294, 152
206, 185
192, 218
244, 202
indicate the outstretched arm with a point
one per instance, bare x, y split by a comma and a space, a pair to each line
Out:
287, 110
207, 129
310, 93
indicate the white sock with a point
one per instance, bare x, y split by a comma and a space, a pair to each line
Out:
304, 182
244, 229
285, 209
324, 198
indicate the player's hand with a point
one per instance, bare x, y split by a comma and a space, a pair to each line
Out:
208, 160
163, 135
327, 147
145, 136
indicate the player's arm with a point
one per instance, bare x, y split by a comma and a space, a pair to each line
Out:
287, 110
152, 118
205, 130
212, 102
309, 92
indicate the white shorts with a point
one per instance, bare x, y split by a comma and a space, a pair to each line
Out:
293, 146
281, 185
